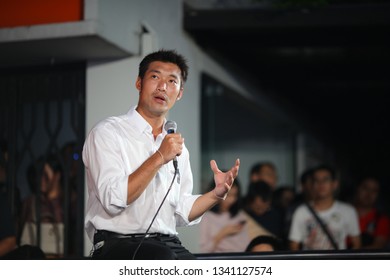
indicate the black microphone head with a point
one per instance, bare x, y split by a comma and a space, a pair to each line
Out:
170, 127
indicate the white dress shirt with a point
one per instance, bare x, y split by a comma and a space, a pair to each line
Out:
113, 150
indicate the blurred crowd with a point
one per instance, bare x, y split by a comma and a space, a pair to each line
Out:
315, 215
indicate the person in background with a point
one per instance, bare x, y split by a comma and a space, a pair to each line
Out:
282, 200
304, 196
45, 206
306, 184
340, 218
9, 249
224, 227
258, 205
374, 225
283, 197
264, 171
265, 243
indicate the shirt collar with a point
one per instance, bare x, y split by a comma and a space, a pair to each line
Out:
140, 124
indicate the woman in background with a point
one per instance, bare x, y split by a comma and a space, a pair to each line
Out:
45, 207
224, 227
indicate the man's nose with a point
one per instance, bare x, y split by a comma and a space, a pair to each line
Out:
162, 85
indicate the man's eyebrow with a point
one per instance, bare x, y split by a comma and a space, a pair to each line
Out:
174, 76
155, 71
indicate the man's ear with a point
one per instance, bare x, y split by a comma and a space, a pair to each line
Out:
180, 95
138, 84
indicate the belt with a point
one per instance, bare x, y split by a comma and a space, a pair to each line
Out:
105, 234
102, 235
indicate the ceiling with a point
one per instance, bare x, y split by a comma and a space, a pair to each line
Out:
330, 65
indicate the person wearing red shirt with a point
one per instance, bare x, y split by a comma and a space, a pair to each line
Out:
374, 225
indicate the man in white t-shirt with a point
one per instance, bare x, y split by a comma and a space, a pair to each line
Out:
340, 218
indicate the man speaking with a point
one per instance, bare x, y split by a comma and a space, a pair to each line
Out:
137, 197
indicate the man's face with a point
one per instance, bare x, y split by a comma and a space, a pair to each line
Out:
259, 206
266, 174
323, 184
368, 192
159, 89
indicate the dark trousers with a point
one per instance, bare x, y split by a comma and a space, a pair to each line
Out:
114, 246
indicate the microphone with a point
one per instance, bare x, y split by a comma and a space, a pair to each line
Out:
170, 127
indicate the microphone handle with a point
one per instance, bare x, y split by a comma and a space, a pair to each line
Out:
175, 163
169, 131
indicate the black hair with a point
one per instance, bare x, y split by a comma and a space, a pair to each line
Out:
36, 169
368, 177
361, 180
237, 206
54, 162
258, 189
278, 194
259, 165
327, 168
306, 175
170, 56
275, 242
